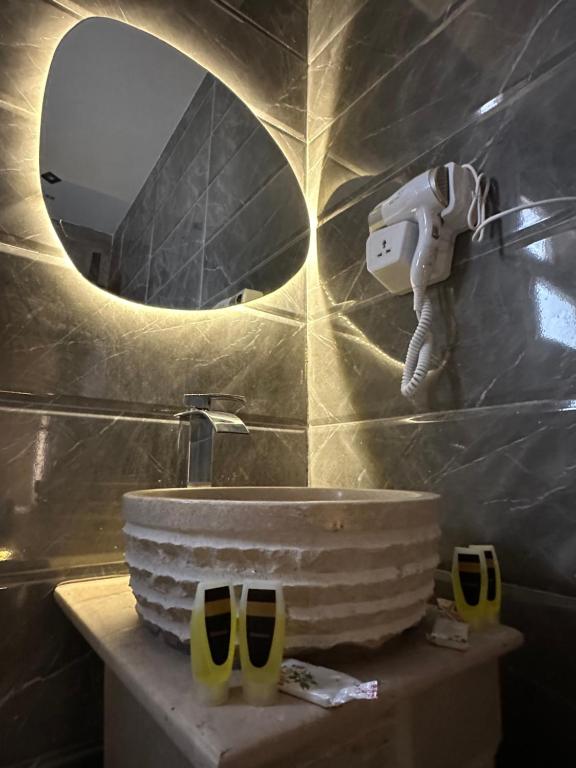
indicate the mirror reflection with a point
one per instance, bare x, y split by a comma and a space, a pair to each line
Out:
161, 184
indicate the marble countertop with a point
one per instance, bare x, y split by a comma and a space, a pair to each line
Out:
236, 734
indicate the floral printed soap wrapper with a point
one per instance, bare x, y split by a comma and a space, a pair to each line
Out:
323, 686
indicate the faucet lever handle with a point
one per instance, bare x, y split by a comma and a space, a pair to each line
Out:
204, 401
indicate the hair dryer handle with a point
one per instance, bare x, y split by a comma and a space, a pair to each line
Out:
429, 224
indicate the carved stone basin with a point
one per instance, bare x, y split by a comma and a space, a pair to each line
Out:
357, 566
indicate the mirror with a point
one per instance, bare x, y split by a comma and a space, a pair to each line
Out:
161, 184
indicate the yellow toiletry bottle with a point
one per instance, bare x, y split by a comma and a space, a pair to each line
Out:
213, 640
261, 629
469, 581
493, 601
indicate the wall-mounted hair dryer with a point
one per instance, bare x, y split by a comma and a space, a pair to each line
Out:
411, 245
412, 241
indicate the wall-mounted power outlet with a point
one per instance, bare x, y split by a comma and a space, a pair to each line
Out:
389, 253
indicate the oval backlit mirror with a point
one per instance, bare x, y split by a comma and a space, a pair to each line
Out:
162, 185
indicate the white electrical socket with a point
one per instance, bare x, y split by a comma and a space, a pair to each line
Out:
389, 253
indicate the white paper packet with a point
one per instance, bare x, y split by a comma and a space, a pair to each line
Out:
323, 686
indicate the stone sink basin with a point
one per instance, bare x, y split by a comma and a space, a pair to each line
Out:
357, 566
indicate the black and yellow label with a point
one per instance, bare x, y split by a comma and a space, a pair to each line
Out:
260, 624
218, 618
470, 575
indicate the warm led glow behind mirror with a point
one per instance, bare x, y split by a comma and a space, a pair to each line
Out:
162, 185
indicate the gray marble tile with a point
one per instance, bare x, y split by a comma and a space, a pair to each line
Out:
325, 19
265, 225
189, 151
505, 474
182, 246
51, 683
136, 285
62, 479
63, 336
274, 274
256, 162
293, 149
26, 52
265, 457
135, 257
448, 82
235, 127
375, 40
176, 290
23, 214
223, 100
267, 76
188, 195
286, 20
194, 113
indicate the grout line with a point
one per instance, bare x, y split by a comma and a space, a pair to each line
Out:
24, 402
207, 199
458, 414
28, 253
7, 106
237, 14
334, 34
67, 7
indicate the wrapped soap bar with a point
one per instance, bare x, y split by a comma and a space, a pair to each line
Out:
323, 686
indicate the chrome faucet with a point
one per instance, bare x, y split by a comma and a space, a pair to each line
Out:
204, 424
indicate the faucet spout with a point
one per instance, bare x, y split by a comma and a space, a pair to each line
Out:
221, 421
204, 424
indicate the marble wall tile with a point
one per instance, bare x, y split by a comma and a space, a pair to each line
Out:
264, 457
286, 20
135, 257
63, 476
247, 171
175, 289
325, 20
63, 336
275, 217
191, 149
23, 215
446, 83
183, 245
375, 40
230, 131
187, 195
30, 31
62, 479
51, 683
505, 475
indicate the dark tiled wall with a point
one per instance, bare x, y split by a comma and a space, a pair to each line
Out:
396, 88
89, 382
220, 211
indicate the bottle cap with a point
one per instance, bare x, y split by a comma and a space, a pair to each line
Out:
212, 695
259, 694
